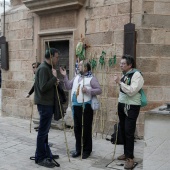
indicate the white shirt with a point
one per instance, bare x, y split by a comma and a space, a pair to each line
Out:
136, 84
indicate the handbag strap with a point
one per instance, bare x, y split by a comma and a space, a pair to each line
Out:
54, 161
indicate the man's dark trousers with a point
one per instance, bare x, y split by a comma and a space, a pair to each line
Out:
46, 113
87, 133
128, 126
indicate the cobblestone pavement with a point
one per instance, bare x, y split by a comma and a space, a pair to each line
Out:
17, 144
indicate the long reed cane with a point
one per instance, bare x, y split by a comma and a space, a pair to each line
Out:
116, 120
102, 114
31, 116
68, 152
95, 119
82, 129
107, 71
102, 63
117, 126
32, 102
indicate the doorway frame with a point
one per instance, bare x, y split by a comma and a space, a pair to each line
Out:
68, 36
58, 36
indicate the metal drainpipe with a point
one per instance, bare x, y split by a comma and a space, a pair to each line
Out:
4, 18
130, 10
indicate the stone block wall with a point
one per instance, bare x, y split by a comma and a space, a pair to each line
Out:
102, 23
154, 48
18, 80
105, 20
153, 51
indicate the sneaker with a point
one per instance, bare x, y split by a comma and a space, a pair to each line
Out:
46, 163
129, 164
121, 157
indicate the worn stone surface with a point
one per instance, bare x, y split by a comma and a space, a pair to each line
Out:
92, 26
144, 66
156, 21
166, 94
110, 2
155, 94
96, 3
119, 37
157, 141
59, 20
144, 35
118, 22
152, 50
104, 25
148, 7
162, 8
156, 79
123, 8
164, 64
158, 36
100, 38
18, 144
101, 12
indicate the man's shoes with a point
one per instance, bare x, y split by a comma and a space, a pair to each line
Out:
46, 163
76, 154
121, 157
129, 164
85, 156
55, 156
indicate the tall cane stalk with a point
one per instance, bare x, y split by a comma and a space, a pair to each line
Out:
102, 114
82, 129
116, 120
63, 123
32, 102
31, 116
102, 62
95, 119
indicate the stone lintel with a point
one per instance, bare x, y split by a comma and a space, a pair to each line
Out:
51, 6
56, 32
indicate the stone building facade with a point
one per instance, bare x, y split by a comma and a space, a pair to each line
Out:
30, 24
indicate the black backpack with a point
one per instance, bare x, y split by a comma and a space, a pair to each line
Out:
119, 135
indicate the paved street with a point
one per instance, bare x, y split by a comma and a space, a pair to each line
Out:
17, 144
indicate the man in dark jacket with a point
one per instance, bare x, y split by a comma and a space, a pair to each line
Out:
44, 89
